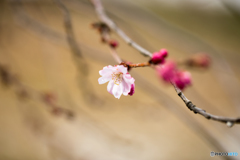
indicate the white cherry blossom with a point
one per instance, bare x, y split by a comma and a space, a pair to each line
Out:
120, 81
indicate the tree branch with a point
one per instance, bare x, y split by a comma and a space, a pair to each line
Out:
24, 91
229, 121
104, 18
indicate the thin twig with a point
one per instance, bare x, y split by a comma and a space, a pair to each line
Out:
106, 38
139, 65
115, 55
229, 121
104, 18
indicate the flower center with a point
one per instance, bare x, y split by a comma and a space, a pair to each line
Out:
117, 77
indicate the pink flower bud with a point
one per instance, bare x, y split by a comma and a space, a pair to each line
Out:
182, 79
199, 60
113, 43
167, 71
170, 73
159, 57
132, 90
164, 52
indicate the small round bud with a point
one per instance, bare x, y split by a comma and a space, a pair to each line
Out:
159, 57
113, 43
164, 52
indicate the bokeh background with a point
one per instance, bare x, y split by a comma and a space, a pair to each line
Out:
52, 107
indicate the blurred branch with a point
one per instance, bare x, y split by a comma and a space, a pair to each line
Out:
104, 18
23, 92
232, 8
84, 83
71, 38
229, 121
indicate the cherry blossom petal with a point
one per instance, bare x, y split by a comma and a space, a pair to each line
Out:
126, 88
117, 90
104, 79
110, 86
106, 70
128, 78
122, 69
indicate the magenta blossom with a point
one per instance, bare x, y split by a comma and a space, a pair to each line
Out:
159, 57
120, 81
169, 73
182, 79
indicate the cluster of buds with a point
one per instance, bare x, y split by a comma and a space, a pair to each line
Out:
159, 57
170, 73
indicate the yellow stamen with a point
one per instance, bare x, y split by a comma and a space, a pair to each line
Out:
117, 77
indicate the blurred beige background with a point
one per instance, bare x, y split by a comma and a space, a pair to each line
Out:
153, 124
